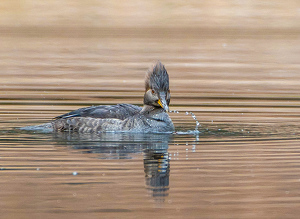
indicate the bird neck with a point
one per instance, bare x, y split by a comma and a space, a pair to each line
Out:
147, 109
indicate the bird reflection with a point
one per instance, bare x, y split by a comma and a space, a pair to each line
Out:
157, 172
124, 146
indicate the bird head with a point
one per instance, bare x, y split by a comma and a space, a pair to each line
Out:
157, 91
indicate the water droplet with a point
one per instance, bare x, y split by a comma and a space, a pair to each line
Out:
74, 173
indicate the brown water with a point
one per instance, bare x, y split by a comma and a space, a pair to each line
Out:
243, 84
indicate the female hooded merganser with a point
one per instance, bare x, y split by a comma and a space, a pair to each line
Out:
152, 117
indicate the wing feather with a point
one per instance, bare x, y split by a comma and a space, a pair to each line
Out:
119, 111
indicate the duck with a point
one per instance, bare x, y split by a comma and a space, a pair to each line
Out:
152, 117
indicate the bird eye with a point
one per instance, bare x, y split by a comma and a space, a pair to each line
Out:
153, 92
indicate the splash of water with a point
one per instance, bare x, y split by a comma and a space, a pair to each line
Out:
195, 118
196, 131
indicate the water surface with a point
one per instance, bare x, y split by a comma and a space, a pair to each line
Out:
242, 87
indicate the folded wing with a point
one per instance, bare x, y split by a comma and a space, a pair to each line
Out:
119, 111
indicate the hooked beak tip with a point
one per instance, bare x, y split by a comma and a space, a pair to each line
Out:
166, 108
163, 105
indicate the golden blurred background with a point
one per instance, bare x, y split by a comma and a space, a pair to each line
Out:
271, 14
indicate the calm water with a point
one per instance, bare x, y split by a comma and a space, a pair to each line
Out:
243, 88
